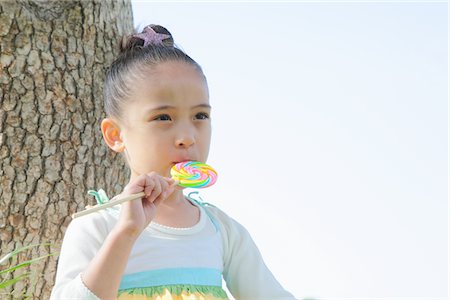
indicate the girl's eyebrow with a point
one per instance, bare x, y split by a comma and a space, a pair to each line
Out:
202, 105
162, 107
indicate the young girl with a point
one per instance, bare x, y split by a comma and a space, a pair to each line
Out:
165, 245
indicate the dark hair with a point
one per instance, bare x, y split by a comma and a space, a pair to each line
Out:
133, 60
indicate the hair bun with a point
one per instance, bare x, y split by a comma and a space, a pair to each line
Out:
151, 36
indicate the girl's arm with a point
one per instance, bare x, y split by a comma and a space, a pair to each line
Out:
92, 263
245, 273
82, 241
104, 273
93, 258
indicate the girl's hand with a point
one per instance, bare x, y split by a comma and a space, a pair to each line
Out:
137, 214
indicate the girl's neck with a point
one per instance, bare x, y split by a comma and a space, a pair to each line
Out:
177, 211
175, 199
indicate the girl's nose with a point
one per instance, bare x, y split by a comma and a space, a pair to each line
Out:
185, 141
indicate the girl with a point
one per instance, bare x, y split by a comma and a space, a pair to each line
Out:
165, 245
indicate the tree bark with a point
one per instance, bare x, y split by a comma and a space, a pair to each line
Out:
53, 58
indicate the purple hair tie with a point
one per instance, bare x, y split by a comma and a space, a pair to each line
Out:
149, 36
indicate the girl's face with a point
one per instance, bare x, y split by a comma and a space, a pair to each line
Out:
167, 120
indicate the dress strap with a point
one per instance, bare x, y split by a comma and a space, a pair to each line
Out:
204, 205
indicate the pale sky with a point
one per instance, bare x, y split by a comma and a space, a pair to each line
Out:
330, 137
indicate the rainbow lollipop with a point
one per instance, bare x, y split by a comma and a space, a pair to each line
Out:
193, 174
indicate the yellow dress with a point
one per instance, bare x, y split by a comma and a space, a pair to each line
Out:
174, 293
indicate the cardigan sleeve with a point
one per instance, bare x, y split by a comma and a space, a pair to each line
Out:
83, 238
245, 273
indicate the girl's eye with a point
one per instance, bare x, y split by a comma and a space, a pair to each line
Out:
202, 116
163, 118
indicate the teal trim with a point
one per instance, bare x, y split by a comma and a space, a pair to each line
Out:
189, 276
204, 204
100, 196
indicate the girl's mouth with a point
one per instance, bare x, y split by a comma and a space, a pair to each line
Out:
182, 160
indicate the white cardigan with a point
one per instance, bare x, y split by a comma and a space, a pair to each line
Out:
244, 271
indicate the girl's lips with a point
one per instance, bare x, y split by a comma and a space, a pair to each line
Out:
181, 160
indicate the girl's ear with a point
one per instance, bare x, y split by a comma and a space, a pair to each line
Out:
111, 135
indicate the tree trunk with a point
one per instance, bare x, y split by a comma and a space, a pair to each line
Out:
53, 58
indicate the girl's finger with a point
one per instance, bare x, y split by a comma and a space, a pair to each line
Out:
168, 180
155, 191
170, 189
148, 186
164, 185
159, 199
138, 185
166, 193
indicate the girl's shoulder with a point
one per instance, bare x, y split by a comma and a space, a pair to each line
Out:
85, 235
228, 225
97, 224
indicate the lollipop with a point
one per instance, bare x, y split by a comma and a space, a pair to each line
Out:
193, 174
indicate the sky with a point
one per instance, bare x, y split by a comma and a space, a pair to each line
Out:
330, 137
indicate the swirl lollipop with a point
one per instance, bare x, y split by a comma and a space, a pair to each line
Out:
193, 174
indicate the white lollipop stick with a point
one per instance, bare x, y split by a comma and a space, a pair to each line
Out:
108, 204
